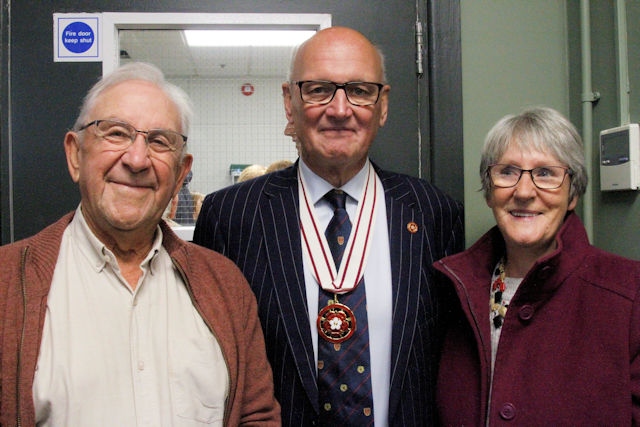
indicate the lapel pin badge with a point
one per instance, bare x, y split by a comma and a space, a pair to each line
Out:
412, 227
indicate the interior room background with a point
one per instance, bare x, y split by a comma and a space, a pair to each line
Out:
483, 59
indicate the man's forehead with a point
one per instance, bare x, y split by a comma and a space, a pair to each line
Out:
338, 68
125, 99
338, 56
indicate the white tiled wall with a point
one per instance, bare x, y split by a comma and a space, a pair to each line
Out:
231, 128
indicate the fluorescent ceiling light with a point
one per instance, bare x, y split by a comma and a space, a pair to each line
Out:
246, 37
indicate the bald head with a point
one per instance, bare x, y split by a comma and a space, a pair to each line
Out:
334, 134
332, 42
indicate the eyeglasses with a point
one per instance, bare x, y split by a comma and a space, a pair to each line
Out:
122, 135
322, 92
543, 177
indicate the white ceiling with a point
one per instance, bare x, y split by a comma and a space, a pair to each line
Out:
168, 50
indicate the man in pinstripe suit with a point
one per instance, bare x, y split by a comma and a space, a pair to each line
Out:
336, 99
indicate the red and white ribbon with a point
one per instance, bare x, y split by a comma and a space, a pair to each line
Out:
314, 242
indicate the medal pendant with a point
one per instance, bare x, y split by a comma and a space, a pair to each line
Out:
336, 323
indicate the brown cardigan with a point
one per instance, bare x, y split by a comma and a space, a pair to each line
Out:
219, 293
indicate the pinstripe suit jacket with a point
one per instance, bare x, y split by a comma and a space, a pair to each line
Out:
256, 224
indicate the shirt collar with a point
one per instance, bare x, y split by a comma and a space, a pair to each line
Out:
96, 251
317, 187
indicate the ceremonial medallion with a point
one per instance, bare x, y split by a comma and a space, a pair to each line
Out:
336, 322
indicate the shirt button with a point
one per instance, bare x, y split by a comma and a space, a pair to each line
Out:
526, 312
508, 412
141, 365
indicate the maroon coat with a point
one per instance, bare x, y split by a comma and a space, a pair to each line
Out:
219, 292
570, 344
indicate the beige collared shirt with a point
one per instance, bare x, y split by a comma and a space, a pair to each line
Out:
111, 355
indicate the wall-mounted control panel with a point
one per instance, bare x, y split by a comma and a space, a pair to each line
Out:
620, 158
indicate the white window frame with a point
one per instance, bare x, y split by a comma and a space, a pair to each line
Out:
114, 21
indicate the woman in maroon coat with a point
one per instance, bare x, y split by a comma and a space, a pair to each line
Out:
545, 329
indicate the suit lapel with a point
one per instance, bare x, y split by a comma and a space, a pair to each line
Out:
280, 218
406, 266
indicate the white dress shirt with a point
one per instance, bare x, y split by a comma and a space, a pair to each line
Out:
377, 277
113, 356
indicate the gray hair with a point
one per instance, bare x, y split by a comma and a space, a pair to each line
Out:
540, 129
138, 71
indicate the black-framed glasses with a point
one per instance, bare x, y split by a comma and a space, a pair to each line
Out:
322, 92
543, 177
122, 134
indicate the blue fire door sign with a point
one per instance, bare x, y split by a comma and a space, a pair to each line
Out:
77, 37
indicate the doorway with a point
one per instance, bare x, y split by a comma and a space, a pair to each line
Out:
39, 98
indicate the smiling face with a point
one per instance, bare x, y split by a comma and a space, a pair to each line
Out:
335, 138
126, 190
528, 217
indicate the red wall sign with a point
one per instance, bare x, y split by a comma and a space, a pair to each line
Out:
247, 89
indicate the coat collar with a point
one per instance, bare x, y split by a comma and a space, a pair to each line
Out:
488, 250
470, 272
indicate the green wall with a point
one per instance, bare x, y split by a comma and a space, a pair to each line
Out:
616, 214
514, 55
519, 53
